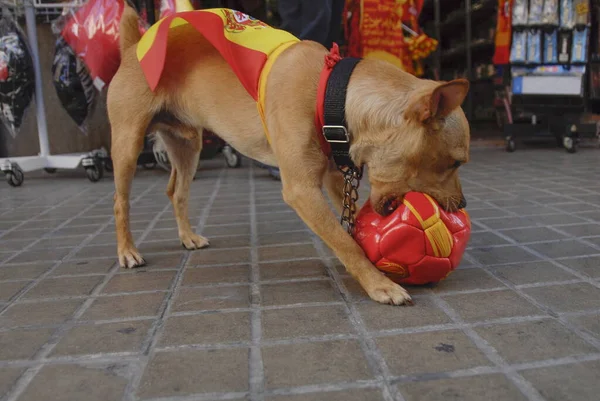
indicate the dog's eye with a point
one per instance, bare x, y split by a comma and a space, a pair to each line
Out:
456, 164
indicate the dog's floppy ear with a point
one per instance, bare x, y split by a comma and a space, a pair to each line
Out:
439, 101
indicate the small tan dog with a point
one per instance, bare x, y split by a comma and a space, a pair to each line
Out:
410, 133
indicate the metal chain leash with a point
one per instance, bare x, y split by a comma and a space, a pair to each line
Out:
352, 176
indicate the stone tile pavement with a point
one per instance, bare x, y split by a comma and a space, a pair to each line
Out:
268, 314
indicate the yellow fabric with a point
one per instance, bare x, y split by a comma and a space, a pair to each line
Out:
262, 86
261, 40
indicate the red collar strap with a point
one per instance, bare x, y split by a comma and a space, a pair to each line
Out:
330, 116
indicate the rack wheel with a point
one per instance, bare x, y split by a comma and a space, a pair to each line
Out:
15, 176
232, 158
149, 166
569, 144
50, 170
510, 145
95, 172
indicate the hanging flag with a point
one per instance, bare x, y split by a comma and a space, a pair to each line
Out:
503, 33
387, 30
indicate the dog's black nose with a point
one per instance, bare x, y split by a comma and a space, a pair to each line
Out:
463, 203
388, 207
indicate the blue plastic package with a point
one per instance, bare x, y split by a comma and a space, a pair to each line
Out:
518, 52
579, 47
550, 13
536, 11
567, 19
534, 47
551, 47
519, 13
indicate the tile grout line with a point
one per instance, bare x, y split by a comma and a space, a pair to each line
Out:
149, 346
303, 339
370, 350
256, 368
25, 205
589, 339
26, 377
542, 257
551, 313
44, 275
5, 232
526, 388
55, 229
556, 228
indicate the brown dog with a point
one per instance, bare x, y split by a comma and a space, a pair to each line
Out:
410, 133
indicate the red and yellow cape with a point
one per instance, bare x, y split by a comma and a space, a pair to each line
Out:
249, 46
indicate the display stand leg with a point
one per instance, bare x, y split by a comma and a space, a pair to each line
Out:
39, 93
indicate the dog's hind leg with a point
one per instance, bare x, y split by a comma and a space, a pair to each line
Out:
184, 153
127, 143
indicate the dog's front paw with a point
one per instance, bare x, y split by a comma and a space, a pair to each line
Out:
193, 241
385, 291
130, 258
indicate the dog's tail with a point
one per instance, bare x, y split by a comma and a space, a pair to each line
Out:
129, 29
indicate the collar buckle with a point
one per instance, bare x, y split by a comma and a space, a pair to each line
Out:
336, 134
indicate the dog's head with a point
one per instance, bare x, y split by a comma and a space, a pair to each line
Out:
411, 133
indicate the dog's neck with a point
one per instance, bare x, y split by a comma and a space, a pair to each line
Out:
330, 115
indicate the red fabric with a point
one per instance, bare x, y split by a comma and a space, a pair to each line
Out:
503, 33
93, 33
398, 245
246, 63
331, 60
352, 31
3, 71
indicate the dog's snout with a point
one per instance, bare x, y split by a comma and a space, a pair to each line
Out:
463, 203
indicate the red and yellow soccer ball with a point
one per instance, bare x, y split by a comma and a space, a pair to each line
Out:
419, 243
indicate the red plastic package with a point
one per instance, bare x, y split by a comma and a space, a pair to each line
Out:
92, 31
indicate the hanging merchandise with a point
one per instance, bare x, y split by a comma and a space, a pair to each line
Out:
520, 11
550, 13
581, 12
388, 30
92, 31
536, 10
73, 84
17, 80
550, 47
579, 47
534, 47
564, 47
519, 47
567, 19
503, 32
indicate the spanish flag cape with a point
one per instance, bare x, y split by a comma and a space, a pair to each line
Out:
249, 46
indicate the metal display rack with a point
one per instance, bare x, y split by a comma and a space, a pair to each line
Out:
15, 167
549, 98
464, 30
